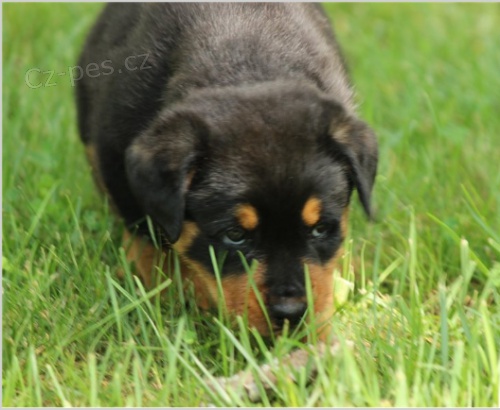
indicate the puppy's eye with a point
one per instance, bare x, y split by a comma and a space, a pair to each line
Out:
319, 231
234, 236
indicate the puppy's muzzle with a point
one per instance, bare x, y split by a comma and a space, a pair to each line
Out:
290, 309
287, 303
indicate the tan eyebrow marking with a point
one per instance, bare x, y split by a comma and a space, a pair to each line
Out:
311, 211
247, 216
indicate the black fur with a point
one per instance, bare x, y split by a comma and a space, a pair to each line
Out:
252, 101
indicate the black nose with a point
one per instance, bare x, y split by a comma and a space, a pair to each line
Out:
292, 309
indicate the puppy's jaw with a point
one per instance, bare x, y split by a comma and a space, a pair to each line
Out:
191, 270
322, 285
321, 278
240, 296
239, 290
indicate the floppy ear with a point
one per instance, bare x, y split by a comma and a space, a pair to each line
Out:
353, 139
159, 168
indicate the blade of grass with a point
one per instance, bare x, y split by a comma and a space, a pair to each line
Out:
58, 387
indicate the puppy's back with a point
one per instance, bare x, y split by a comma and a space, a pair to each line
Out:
208, 44
174, 49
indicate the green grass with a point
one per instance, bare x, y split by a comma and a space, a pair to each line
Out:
423, 313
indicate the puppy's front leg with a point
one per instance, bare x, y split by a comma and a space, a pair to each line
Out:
148, 260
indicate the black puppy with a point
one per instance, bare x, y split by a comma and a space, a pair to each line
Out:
231, 125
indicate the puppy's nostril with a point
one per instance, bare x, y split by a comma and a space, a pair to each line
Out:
291, 309
289, 291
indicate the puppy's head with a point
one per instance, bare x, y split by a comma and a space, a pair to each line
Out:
265, 171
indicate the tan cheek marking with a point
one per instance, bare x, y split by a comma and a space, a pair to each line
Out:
205, 286
321, 277
242, 299
311, 211
189, 232
322, 284
247, 216
192, 270
239, 295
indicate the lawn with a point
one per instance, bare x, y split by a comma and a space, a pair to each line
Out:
418, 319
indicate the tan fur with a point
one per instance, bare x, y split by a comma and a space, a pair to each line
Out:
189, 232
147, 260
247, 216
145, 257
191, 270
311, 211
321, 277
322, 285
204, 285
239, 296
